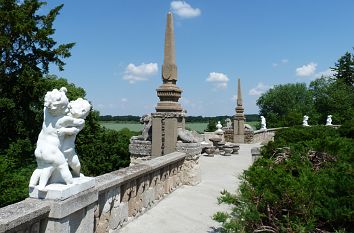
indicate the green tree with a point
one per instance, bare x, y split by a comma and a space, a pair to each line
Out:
344, 69
333, 97
285, 105
27, 48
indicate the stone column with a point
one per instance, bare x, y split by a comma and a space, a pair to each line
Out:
239, 118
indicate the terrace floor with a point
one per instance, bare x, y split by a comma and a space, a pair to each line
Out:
190, 208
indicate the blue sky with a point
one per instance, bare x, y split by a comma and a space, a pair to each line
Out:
119, 49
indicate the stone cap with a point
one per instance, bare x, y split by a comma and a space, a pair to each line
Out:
22, 212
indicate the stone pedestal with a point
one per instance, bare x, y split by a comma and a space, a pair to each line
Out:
191, 167
139, 151
63, 191
164, 132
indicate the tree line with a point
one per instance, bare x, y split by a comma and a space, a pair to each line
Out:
191, 119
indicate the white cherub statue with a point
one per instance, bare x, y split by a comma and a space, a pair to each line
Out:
329, 120
78, 111
48, 154
219, 130
263, 123
304, 121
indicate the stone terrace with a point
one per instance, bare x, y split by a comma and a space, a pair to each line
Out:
189, 209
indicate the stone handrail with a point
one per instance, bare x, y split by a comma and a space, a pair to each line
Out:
117, 198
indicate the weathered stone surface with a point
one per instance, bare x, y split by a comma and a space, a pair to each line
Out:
139, 148
191, 149
23, 215
256, 153
119, 216
61, 209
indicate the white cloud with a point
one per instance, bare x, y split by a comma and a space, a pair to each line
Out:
219, 79
326, 73
134, 73
184, 10
282, 61
259, 89
124, 100
306, 70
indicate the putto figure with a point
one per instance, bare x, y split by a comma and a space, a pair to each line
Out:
329, 120
71, 125
304, 121
263, 123
55, 144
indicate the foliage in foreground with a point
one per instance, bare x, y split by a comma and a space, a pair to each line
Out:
299, 185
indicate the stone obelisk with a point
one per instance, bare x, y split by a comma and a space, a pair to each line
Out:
168, 92
169, 113
239, 118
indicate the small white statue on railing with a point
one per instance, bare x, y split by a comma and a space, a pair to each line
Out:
305, 121
263, 123
228, 123
219, 130
56, 141
329, 120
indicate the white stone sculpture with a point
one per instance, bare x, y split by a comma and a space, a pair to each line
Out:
58, 134
219, 130
329, 120
228, 123
304, 121
78, 109
263, 123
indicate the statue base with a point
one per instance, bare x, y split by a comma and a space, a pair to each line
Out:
62, 191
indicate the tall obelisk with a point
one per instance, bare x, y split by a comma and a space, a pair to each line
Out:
169, 113
168, 92
239, 119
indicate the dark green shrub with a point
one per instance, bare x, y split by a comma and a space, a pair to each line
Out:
211, 127
304, 187
347, 129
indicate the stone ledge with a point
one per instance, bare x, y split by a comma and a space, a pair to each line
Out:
114, 178
26, 211
165, 160
61, 209
120, 176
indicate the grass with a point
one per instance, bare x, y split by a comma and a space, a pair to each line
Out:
136, 127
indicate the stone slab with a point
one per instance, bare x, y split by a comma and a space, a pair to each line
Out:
25, 212
62, 191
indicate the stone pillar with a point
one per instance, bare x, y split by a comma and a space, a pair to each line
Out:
164, 132
239, 118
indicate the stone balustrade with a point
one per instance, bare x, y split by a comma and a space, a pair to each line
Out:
117, 198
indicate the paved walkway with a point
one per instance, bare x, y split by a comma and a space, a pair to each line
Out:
190, 208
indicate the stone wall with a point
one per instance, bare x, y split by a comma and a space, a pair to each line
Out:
117, 198
264, 136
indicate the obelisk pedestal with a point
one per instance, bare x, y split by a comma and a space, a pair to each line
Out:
169, 113
239, 118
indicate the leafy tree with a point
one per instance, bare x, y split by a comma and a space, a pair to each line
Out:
333, 97
27, 48
344, 69
285, 105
